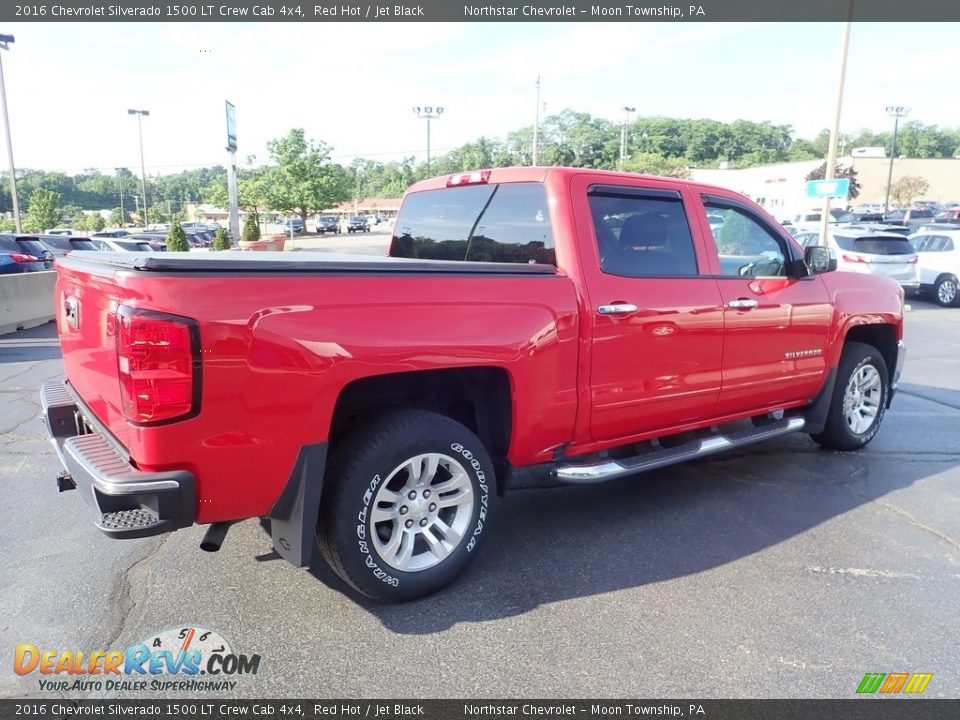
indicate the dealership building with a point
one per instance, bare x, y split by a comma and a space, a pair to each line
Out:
781, 189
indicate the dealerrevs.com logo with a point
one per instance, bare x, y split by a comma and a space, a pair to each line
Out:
188, 659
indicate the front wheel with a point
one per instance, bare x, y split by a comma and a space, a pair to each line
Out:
859, 399
408, 498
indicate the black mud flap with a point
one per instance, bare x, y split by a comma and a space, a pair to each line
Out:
293, 519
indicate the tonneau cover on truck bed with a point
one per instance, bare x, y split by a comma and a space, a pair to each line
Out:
298, 262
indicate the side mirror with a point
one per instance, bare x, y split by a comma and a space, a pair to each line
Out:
819, 259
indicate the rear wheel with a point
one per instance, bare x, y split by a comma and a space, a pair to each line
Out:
947, 291
859, 399
408, 499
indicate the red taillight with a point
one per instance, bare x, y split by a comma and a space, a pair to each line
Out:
853, 258
21, 258
158, 357
470, 178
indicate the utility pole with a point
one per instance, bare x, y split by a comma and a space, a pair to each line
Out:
835, 130
536, 128
896, 113
120, 186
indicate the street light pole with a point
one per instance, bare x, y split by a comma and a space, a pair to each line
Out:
428, 113
143, 168
5, 41
623, 134
896, 112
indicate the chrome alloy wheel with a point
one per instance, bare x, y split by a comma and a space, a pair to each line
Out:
862, 398
947, 292
421, 512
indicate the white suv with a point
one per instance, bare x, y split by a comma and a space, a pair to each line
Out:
868, 251
939, 265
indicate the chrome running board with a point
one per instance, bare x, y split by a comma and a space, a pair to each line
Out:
610, 469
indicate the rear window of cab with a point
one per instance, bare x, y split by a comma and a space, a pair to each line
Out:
506, 222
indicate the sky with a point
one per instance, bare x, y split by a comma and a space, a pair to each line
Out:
353, 86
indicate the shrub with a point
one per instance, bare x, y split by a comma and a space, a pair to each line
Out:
221, 241
251, 230
177, 239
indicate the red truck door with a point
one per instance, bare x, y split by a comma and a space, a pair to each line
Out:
775, 322
655, 317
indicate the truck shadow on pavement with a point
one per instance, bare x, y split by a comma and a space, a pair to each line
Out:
557, 544
31, 345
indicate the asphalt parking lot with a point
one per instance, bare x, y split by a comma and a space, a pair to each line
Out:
780, 570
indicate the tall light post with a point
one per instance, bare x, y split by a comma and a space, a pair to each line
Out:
896, 112
143, 168
5, 41
623, 134
428, 113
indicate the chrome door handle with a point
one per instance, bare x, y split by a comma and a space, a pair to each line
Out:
742, 304
617, 309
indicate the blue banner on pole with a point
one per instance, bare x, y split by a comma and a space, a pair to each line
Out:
833, 188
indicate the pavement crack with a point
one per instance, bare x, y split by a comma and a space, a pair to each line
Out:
922, 526
122, 596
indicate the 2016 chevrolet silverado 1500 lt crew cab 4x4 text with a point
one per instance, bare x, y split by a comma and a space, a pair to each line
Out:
533, 326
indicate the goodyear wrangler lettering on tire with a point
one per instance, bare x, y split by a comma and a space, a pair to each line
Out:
413, 527
457, 447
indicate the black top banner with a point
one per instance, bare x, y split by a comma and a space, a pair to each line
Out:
496, 11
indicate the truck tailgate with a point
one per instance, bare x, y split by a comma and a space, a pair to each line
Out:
86, 302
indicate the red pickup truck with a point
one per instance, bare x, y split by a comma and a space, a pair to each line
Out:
534, 326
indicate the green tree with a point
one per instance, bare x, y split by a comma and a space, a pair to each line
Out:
904, 190
96, 223
221, 241
841, 172
177, 239
653, 164
119, 217
251, 229
303, 181
43, 211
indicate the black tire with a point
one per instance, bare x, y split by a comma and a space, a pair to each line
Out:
840, 432
370, 464
946, 291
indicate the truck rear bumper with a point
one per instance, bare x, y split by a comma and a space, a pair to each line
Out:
128, 502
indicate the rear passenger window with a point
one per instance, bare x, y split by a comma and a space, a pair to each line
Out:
482, 223
642, 235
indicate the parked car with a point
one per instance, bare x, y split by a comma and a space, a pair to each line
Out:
157, 241
15, 258
296, 224
872, 252
123, 245
358, 224
811, 220
384, 404
61, 231
111, 233
938, 254
60, 245
328, 223
948, 215
878, 227
27, 245
911, 217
